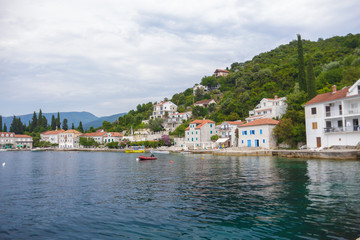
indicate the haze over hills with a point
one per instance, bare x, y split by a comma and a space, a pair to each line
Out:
88, 119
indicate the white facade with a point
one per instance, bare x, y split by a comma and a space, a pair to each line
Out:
10, 140
268, 108
163, 108
333, 118
258, 133
113, 137
205, 103
220, 72
198, 134
176, 119
51, 136
69, 139
227, 130
201, 87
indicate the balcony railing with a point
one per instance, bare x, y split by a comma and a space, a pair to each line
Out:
354, 111
355, 128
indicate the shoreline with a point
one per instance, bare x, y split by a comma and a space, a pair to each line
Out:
348, 154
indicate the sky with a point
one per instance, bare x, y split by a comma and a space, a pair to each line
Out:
108, 56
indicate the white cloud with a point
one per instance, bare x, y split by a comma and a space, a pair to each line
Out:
85, 55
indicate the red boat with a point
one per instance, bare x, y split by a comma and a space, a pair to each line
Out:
147, 158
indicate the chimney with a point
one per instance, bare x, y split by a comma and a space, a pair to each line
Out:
275, 97
334, 89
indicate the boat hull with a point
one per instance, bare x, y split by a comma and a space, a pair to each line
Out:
147, 158
135, 151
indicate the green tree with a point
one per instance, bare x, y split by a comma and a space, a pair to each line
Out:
199, 111
311, 86
34, 123
53, 122
72, 126
65, 124
301, 66
214, 137
210, 81
1, 125
58, 121
80, 127
40, 119
155, 125
5, 128
107, 125
17, 126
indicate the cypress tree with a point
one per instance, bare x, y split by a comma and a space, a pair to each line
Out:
33, 123
65, 124
1, 123
58, 122
53, 122
5, 127
301, 75
44, 122
72, 126
311, 85
40, 119
80, 127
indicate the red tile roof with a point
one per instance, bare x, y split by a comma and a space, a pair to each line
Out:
7, 133
204, 101
55, 132
329, 96
235, 122
94, 134
221, 70
261, 121
200, 123
22, 136
116, 134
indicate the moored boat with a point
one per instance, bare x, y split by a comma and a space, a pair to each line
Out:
135, 150
147, 158
159, 151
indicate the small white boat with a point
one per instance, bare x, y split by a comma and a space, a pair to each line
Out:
158, 151
3, 150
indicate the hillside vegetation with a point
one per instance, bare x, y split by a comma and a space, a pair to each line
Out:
334, 61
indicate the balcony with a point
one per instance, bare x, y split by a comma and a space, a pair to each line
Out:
355, 128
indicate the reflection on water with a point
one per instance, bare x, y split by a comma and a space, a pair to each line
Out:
72, 195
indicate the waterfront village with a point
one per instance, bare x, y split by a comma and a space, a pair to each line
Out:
332, 119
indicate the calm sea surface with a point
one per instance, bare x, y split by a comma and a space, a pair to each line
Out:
72, 195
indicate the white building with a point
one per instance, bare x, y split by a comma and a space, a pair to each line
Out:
268, 108
198, 134
227, 129
201, 87
10, 140
333, 118
258, 133
176, 119
69, 139
98, 136
51, 136
205, 103
163, 109
113, 137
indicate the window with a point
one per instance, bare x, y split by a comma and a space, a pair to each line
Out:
210, 132
340, 124
263, 140
210, 125
260, 131
313, 110
244, 132
252, 132
314, 125
192, 139
242, 141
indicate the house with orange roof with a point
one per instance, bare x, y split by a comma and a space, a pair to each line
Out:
268, 108
51, 136
10, 140
221, 72
227, 129
98, 136
198, 134
163, 109
204, 103
69, 139
258, 133
332, 119
113, 137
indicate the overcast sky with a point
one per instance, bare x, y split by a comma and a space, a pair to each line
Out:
107, 56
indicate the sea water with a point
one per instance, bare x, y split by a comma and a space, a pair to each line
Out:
107, 195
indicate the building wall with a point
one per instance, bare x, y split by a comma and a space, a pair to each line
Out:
262, 133
314, 124
200, 138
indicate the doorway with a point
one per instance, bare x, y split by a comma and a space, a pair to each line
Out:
318, 142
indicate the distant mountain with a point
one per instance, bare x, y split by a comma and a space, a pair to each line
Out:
87, 119
98, 122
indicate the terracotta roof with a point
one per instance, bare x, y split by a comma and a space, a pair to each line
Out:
22, 136
116, 134
72, 131
235, 122
262, 121
7, 133
204, 101
221, 70
55, 132
200, 123
94, 134
329, 96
